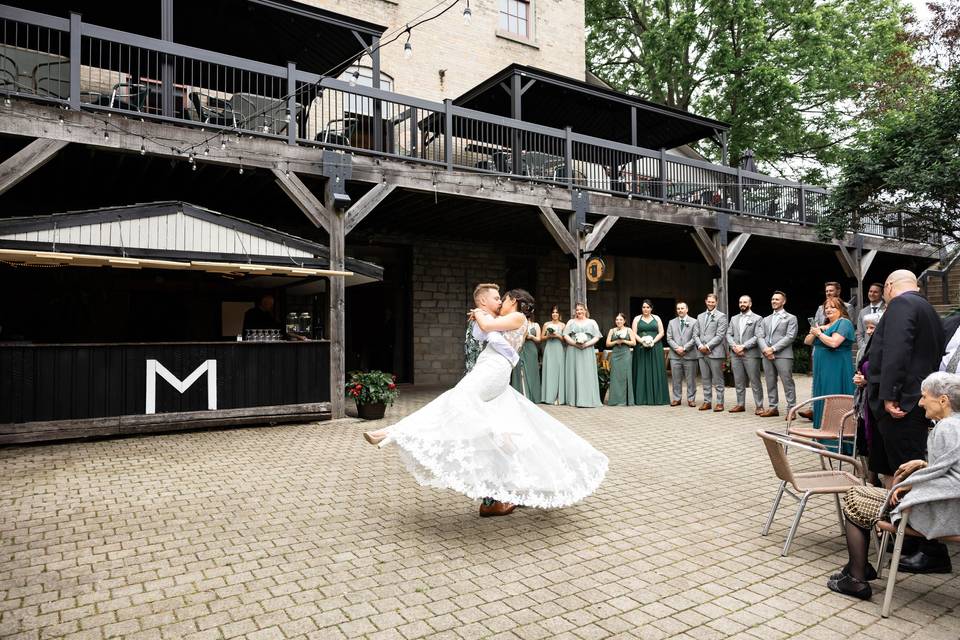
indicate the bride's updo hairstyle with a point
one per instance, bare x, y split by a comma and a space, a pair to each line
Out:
524, 301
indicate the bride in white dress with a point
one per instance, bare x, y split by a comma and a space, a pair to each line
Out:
487, 441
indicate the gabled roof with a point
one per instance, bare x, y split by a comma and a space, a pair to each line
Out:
557, 101
169, 231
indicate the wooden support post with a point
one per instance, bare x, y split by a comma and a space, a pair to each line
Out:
578, 264
338, 321
366, 204
560, 234
27, 160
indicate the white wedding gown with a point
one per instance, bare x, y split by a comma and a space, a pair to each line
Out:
485, 440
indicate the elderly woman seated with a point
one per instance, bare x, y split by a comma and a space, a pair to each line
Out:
932, 492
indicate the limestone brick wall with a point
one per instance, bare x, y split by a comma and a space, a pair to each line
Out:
444, 275
468, 54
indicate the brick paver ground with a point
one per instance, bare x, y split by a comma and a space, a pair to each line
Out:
305, 531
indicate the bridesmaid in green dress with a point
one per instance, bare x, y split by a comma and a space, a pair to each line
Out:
526, 375
620, 339
582, 383
649, 371
551, 378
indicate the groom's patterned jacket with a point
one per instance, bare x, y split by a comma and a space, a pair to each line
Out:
471, 349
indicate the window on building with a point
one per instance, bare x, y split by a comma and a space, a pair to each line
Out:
515, 17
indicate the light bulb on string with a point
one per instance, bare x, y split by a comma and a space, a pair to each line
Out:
407, 47
354, 77
467, 15
223, 143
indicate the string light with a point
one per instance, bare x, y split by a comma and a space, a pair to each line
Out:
355, 76
106, 134
407, 47
143, 148
467, 14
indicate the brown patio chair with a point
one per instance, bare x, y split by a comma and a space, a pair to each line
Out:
806, 483
838, 421
901, 530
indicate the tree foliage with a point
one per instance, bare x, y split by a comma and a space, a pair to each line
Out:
907, 166
792, 77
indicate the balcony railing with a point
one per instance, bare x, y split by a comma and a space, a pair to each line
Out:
89, 67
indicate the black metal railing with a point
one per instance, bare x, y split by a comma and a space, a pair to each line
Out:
90, 67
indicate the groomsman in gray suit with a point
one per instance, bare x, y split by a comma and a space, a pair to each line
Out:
745, 355
683, 356
775, 336
711, 343
874, 306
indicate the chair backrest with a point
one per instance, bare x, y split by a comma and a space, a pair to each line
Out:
774, 444
835, 410
53, 79
8, 71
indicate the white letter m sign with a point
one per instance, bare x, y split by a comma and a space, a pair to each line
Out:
154, 368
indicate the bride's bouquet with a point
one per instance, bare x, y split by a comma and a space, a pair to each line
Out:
581, 337
647, 341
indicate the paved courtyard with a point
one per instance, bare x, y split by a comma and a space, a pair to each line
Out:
305, 531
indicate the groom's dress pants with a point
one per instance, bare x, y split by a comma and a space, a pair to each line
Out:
779, 368
681, 370
744, 370
711, 374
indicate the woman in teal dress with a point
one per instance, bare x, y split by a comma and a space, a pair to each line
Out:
552, 375
526, 375
580, 371
649, 370
619, 339
832, 355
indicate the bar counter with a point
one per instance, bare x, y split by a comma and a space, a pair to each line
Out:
55, 391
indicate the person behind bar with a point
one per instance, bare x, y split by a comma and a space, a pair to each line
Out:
260, 316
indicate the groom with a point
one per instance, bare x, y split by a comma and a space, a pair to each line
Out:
486, 296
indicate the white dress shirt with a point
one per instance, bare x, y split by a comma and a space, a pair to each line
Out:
952, 347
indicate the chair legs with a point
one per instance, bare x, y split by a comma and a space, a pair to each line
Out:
843, 528
773, 510
796, 524
894, 562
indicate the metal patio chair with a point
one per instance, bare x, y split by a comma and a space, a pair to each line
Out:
838, 421
901, 530
807, 483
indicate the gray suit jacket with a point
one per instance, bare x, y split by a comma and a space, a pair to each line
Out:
686, 338
749, 321
712, 333
778, 335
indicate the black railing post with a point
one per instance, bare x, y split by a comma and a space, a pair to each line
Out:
448, 133
167, 75
292, 103
803, 205
377, 105
568, 156
414, 137
663, 174
75, 37
739, 190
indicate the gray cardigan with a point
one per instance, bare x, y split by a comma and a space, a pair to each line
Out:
934, 499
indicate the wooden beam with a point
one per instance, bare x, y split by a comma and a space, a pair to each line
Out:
866, 262
559, 232
851, 266
301, 195
578, 264
27, 160
362, 208
705, 244
25, 118
734, 248
600, 231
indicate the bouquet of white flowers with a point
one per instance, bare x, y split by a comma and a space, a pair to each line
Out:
581, 337
621, 334
551, 330
532, 331
647, 341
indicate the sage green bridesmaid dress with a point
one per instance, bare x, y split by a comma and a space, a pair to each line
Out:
552, 375
582, 383
621, 372
526, 375
650, 373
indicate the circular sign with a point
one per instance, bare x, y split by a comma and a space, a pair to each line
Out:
595, 269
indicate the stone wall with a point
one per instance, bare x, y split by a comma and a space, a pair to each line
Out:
468, 54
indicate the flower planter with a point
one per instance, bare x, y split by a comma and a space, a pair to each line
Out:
371, 411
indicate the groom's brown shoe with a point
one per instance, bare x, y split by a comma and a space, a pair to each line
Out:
769, 413
497, 508
705, 406
674, 403
737, 409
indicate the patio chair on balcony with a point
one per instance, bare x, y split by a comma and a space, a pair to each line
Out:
8, 75
827, 481
130, 96
52, 79
215, 111
338, 132
260, 113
